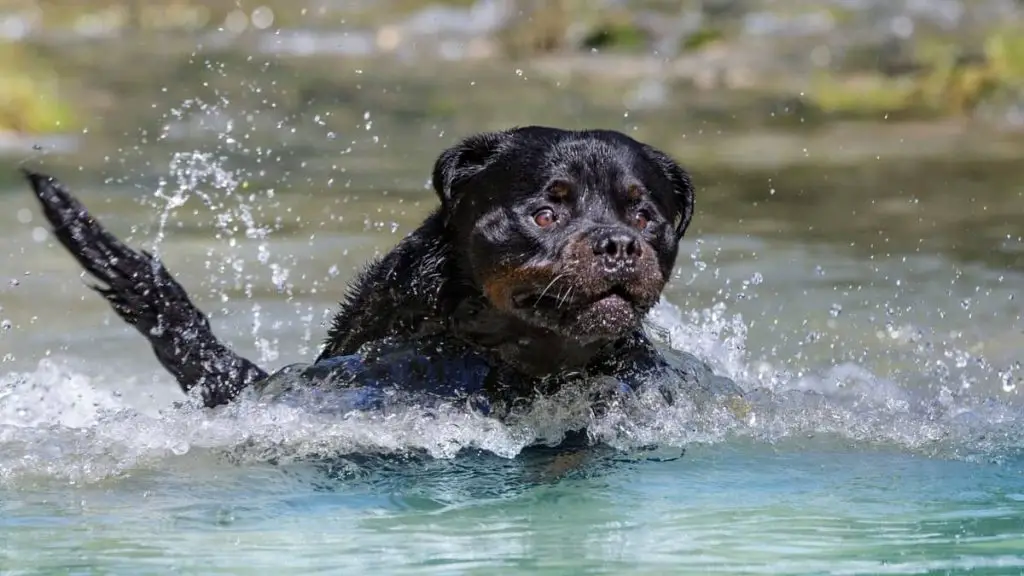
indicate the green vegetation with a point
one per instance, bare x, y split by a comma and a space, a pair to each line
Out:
702, 38
936, 73
946, 80
191, 15
544, 26
29, 99
616, 34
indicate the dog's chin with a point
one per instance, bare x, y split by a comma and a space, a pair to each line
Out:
585, 318
611, 316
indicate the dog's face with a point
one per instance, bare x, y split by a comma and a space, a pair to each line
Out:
574, 232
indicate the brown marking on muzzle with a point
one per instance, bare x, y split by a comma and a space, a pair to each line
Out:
501, 285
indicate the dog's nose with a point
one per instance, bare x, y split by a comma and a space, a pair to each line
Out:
617, 248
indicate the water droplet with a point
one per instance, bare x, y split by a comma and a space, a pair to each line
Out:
835, 310
262, 17
1009, 377
279, 275
757, 279
236, 21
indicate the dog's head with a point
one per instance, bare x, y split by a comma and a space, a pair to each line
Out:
576, 232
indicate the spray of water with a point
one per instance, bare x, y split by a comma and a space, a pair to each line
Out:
55, 422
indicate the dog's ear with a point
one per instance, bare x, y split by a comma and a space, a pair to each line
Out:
464, 160
682, 185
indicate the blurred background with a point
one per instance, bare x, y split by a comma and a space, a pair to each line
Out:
853, 157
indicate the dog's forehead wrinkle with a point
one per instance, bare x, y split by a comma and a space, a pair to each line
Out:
595, 165
601, 172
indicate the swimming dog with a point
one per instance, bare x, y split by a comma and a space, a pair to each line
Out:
546, 252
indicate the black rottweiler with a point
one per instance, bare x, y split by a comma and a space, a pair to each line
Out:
547, 251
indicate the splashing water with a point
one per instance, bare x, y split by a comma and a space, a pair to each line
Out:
55, 422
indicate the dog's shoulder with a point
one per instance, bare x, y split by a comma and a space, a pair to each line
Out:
401, 294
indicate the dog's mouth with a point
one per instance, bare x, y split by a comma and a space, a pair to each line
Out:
616, 296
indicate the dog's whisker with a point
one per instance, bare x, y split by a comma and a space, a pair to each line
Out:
561, 294
546, 288
566, 298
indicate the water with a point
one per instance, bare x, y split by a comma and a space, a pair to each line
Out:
871, 306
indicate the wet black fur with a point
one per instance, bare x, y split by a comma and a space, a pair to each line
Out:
144, 294
428, 286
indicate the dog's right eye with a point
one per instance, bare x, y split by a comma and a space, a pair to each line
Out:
544, 217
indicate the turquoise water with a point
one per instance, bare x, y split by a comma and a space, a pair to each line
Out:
872, 309
817, 508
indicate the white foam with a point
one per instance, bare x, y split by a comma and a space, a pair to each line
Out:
59, 423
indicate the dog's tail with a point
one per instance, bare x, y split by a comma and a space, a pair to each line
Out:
143, 293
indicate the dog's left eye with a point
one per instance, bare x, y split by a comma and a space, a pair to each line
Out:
642, 219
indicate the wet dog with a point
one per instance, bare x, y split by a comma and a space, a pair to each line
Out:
547, 251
